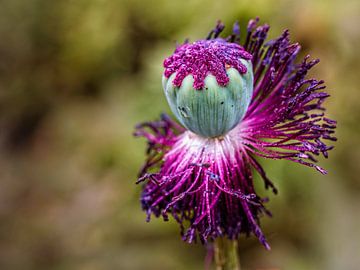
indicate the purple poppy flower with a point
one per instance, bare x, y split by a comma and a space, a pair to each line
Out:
237, 102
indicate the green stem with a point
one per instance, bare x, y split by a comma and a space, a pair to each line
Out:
226, 254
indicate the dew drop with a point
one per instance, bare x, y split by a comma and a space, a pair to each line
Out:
183, 112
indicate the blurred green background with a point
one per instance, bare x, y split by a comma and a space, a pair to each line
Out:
77, 75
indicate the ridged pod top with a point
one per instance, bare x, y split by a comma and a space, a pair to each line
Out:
204, 57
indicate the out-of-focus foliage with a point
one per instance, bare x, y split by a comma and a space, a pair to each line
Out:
76, 76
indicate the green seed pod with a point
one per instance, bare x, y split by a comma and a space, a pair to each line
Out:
214, 110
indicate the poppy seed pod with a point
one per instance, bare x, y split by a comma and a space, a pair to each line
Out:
208, 85
215, 109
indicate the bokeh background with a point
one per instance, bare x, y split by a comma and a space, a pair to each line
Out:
77, 75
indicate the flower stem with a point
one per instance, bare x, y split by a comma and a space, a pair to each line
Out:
226, 254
